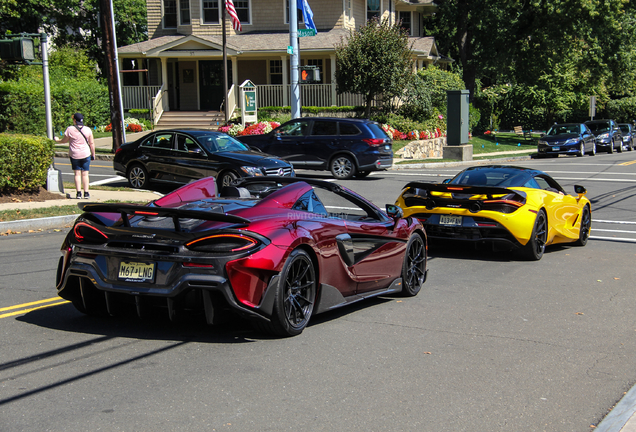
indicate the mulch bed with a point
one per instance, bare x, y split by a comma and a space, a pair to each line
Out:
37, 195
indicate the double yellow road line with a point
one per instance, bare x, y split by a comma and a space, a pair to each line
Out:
28, 307
627, 163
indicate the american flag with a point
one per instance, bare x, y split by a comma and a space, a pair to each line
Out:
229, 7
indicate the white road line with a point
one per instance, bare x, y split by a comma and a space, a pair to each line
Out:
614, 239
108, 180
614, 222
587, 172
616, 231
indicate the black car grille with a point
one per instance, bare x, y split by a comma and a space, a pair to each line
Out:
286, 172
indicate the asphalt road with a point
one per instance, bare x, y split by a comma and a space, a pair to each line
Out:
490, 343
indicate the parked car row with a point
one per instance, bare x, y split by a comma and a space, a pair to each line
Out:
587, 138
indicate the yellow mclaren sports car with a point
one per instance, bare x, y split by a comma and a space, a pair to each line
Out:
516, 207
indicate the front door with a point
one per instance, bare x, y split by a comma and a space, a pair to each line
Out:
211, 86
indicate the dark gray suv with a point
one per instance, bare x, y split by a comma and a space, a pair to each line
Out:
346, 147
608, 135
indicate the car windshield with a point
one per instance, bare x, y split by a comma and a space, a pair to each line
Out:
221, 143
599, 127
563, 130
625, 129
501, 177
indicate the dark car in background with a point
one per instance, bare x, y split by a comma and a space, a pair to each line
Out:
346, 147
629, 136
567, 138
608, 135
180, 156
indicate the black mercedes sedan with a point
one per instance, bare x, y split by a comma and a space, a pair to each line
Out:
184, 155
346, 147
568, 139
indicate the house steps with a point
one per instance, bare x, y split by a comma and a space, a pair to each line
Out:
209, 120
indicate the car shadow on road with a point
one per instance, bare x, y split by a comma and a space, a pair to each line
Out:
480, 252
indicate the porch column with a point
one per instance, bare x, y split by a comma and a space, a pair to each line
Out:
234, 61
285, 80
334, 94
164, 80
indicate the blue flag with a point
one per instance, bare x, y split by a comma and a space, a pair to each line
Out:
308, 15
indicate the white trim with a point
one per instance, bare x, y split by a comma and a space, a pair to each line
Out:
201, 14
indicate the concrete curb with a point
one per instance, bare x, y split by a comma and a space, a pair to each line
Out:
37, 224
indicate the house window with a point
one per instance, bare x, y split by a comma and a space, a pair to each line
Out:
373, 9
169, 13
275, 71
242, 8
184, 12
405, 18
317, 62
210, 12
299, 13
348, 12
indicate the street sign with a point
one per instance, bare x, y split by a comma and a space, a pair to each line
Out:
306, 32
290, 50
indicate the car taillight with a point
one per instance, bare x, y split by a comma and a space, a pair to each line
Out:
86, 233
375, 142
118, 150
220, 243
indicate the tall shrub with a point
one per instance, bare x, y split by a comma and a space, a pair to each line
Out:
24, 161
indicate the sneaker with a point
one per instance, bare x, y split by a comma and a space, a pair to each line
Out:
79, 195
87, 195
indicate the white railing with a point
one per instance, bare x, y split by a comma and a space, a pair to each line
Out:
231, 100
319, 95
138, 97
159, 105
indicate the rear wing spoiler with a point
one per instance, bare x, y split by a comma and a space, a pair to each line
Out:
489, 191
128, 210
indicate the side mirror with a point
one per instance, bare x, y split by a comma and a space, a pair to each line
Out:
580, 190
446, 181
197, 151
394, 212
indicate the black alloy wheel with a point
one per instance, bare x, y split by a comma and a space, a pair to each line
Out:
295, 296
414, 266
342, 167
226, 179
535, 247
137, 177
586, 227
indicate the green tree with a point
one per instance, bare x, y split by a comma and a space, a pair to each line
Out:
374, 60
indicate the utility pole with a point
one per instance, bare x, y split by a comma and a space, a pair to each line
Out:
293, 43
110, 47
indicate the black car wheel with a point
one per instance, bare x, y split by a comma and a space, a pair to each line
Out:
137, 177
535, 247
295, 296
414, 266
586, 226
342, 167
593, 152
611, 147
362, 174
581, 149
620, 146
226, 179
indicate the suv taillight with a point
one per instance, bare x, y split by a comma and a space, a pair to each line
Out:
374, 141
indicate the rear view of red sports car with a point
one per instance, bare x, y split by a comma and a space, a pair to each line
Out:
275, 251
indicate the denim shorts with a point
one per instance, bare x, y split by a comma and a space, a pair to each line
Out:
81, 164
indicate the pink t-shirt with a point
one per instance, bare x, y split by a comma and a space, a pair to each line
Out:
78, 148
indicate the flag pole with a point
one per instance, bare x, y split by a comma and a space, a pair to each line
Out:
293, 41
225, 83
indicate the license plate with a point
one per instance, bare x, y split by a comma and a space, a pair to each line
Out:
387, 147
450, 220
136, 271
556, 148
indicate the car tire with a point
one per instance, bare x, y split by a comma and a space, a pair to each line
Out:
342, 167
593, 152
362, 174
586, 226
295, 296
620, 146
611, 147
226, 179
414, 266
581, 149
137, 177
534, 249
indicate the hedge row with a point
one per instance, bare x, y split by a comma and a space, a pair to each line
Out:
24, 161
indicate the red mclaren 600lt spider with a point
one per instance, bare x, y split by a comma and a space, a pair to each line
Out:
276, 251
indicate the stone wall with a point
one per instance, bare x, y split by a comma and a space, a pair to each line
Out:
422, 149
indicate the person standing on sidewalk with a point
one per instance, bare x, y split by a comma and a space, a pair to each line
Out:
81, 150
